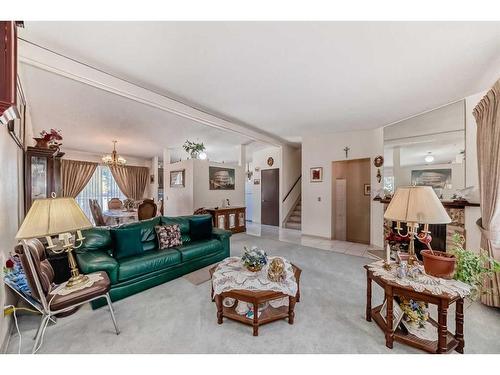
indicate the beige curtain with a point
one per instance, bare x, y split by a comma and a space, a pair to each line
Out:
487, 114
132, 181
75, 175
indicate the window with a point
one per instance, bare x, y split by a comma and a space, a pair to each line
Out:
102, 186
389, 184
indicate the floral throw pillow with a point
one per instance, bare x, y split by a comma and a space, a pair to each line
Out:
168, 236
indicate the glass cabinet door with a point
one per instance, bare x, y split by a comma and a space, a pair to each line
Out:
38, 177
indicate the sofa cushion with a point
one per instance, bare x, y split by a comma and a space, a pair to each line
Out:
146, 263
168, 236
148, 233
97, 238
198, 249
200, 227
126, 242
183, 222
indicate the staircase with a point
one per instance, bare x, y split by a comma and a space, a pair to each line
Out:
294, 221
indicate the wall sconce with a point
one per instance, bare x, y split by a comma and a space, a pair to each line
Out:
9, 115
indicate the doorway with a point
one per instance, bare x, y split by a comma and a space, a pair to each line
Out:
270, 190
351, 200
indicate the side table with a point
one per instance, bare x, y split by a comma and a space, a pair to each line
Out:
446, 341
255, 297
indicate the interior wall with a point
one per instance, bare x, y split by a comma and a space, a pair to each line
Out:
10, 166
197, 193
320, 151
204, 197
260, 161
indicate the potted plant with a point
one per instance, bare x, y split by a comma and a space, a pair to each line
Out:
472, 267
49, 139
193, 149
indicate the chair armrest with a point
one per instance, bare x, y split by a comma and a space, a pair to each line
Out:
98, 260
221, 234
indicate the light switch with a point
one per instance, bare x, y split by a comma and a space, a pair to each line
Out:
319, 199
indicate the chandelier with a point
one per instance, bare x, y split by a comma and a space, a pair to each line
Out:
113, 158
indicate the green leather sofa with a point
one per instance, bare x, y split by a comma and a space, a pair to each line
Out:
152, 266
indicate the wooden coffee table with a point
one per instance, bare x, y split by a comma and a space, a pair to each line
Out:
255, 298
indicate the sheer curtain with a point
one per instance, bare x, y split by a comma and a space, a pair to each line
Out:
487, 114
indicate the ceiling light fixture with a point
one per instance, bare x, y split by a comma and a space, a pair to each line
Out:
429, 158
114, 159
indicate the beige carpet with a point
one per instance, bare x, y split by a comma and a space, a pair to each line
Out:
200, 276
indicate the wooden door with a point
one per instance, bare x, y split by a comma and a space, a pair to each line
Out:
270, 190
358, 203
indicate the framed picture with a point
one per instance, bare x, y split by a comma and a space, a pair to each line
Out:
256, 181
436, 178
397, 313
221, 178
316, 174
177, 179
367, 189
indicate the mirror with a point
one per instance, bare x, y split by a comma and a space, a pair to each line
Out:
427, 150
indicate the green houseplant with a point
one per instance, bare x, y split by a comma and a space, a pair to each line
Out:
472, 267
193, 149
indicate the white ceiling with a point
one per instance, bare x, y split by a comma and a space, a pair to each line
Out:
91, 118
286, 78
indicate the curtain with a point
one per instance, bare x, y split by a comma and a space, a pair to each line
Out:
75, 175
131, 180
487, 114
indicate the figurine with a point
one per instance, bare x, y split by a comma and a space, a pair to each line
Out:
276, 270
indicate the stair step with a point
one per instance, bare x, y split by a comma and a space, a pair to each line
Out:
293, 225
296, 218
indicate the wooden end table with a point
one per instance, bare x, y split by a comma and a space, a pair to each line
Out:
446, 341
255, 298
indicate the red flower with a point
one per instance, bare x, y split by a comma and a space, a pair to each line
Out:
9, 263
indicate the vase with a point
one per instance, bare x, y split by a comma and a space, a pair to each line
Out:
41, 143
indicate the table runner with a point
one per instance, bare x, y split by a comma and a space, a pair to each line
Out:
422, 282
230, 274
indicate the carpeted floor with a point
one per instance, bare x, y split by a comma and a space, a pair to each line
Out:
179, 317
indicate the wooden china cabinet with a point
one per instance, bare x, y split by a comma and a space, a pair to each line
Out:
42, 174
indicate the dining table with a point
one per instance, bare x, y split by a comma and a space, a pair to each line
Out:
120, 216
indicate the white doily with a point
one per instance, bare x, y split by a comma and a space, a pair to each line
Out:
230, 274
62, 291
422, 282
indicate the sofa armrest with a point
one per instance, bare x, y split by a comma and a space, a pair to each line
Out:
98, 260
220, 234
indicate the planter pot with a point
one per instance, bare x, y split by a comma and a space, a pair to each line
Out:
439, 263
41, 143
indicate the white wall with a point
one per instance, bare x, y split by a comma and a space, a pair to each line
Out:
260, 161
204, 197
197, 193
320, 151
11, 214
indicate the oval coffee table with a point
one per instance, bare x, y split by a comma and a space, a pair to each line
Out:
255, 298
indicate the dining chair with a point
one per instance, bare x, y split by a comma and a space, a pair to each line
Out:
115, 204
96, 210
147, 210
56, 301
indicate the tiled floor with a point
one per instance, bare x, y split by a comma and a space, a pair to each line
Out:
296, 236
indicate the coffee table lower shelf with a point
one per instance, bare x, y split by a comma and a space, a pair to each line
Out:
268, 315
412, 340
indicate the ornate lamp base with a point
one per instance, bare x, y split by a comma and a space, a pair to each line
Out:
76, 278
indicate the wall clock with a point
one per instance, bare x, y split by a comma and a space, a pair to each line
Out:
270, 161
378, 161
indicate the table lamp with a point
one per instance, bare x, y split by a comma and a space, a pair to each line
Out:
415, 205
57, 216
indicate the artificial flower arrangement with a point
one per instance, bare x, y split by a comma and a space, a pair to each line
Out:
49, 138
395, 239
193, 149
415, 312
254, 259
